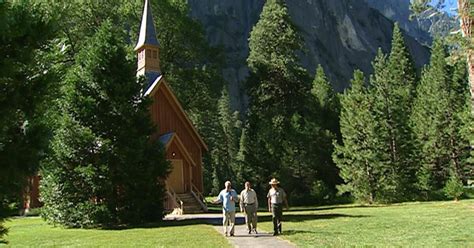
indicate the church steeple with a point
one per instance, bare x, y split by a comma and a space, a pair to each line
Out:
148, 47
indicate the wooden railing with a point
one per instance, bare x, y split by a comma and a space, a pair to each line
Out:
177, 202
199, 197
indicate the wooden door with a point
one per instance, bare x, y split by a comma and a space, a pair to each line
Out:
176, 177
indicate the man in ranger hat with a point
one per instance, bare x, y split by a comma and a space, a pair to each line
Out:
276, 197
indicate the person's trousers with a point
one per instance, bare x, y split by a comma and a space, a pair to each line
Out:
228, 220
251, 216
277, 214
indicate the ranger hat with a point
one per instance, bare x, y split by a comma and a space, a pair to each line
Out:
274, 181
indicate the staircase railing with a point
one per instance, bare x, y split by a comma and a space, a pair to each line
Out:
178, 203
198, 196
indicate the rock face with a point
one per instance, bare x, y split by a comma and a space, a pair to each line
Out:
422, 28
341, 35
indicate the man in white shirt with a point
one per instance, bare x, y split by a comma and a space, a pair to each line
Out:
276, 197
228, 197
249, 205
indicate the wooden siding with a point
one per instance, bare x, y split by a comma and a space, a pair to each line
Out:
168, 118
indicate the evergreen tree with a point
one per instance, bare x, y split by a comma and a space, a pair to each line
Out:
225, 166
244, 169
328, 105
462, 123
278, 91
103, 169
429, 121
393, 86
437, 122
454, 187
27, 74
357, 157
324, 117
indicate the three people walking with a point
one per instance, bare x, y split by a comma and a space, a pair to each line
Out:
249, 204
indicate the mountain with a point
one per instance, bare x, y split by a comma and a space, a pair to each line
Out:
424, 27
340, 35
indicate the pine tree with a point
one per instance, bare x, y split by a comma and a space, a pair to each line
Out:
454, 187
228, 129
324, 119
437, 123
357, 158
462, 123
280, 82
102, 161
429, 121
393, 86
245, 172
277, 88
327, 100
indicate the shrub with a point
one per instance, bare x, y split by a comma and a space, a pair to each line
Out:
454, 188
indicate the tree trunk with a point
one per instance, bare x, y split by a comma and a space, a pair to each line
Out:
466, 22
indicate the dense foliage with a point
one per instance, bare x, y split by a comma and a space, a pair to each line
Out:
284, 135
188, 63
102, 167
404, 139
393, 87
441, 103
357, 157
26, 77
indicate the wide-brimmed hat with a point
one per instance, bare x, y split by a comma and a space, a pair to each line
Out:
274, 181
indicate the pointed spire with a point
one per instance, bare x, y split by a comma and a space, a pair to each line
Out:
147, 29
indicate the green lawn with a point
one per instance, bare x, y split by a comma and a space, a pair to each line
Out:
34, 232
428, 224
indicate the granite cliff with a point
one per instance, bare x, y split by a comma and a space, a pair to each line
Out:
341, 35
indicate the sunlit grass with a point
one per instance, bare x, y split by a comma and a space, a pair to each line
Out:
34, 232
427, 224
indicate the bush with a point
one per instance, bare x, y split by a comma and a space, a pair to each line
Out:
454, 188
321, 193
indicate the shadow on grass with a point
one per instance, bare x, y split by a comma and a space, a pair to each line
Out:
165, 223
304, 217
329, 207
216, 220
294, 232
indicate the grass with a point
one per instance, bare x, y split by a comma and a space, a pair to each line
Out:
34, 232
427, 224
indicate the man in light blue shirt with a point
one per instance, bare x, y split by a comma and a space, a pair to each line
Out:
228, 197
